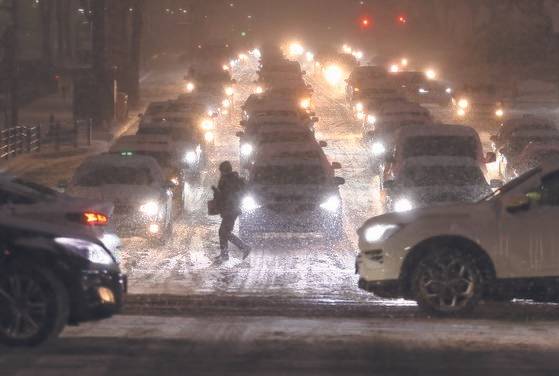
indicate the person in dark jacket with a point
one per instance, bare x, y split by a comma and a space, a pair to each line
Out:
229, 191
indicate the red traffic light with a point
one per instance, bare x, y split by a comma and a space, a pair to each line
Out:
402, 19
365, 22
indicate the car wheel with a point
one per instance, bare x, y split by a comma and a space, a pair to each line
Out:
447, 282
34, 305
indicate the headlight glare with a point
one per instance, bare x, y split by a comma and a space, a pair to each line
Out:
378, 149
332, 204
379, 232
190, 157
150, 208
86, 249
249, 204
246, 150
403, 205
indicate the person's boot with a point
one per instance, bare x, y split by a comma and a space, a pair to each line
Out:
223, 256
246, 251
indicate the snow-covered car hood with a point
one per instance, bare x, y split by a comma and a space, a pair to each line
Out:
118, 194
292, 193
446, 194
465, 210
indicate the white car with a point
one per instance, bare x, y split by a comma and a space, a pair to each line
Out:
136, 185
24, 199
448, 258
279, 137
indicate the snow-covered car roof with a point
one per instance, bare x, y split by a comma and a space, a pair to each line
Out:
527, 121
394, 107
439, 161
437, 130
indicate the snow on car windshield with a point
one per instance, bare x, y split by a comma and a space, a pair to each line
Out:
423, 176
274, 137
452, 146
276, 175
112, 175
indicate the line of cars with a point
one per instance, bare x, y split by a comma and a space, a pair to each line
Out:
292, 186
149, 175
449, 238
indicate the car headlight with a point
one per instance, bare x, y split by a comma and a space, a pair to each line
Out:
229, 91
422, 91
259, 90
360, 115
371, 119
190, 157
332, 204
305, 103
378, 148
463, 103
380, 232
207, 124
249, 204
190, 87
359, 107
403, 205
246, 150
461, 112
226, 103
86, 249
209, 136
150, 208
356, 89
499, 113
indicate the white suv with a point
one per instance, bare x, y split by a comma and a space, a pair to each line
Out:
447, 258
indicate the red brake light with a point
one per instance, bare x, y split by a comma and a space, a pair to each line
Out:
95, 219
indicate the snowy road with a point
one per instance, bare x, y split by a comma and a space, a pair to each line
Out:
293, 306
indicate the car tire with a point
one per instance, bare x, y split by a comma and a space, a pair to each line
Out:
447, 282
45, 310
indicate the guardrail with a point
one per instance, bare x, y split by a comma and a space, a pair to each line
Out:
19, 140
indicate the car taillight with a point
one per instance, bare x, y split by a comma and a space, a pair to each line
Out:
95, 219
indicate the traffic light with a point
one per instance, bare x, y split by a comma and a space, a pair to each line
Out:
402, 19
365, 22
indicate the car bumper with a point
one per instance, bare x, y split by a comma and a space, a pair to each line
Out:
138, 225
99, 294
383, 289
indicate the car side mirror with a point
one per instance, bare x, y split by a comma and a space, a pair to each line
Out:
517, 203
339, 180
336, 165
490, 157
62, 185
496, 183
240, 134
323, 144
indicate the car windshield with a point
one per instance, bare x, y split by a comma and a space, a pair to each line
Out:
423, 176
277, 137
513, 184
113, 175
451, 146
295, 175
